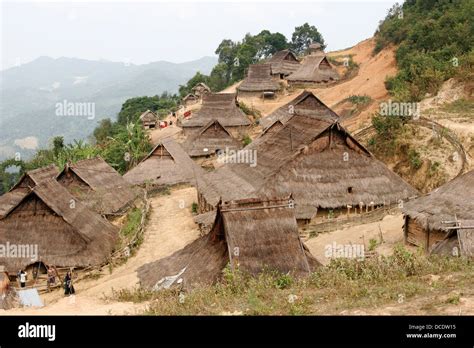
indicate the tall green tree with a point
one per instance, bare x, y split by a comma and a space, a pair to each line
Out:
303, 36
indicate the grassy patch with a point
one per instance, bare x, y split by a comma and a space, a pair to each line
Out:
359, 99
460, 106
342, 285
250, 110
132, 222
246, 140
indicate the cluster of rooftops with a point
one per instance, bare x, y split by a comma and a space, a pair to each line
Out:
306, 163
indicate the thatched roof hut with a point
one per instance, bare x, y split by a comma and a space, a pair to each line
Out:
217, 106
315, 48
304, 104
315, 159
314, 69
36, 176
148, 119
251, 235
98, 185
259, 79
201, 89
65, 231
211, 139
190, 99
28, 180
166, 164
283, 63
426, 216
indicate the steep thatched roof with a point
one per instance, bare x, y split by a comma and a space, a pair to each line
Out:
252, 235
284, 62
453, 199
210, 139
10, 200
259, 79
305, 103
66, 232
314, 69
98, 185
218, 106
28, 180
269, 131
148, 116
166, 164
317, 161
34, 177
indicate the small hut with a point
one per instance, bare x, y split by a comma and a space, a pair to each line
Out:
251, 235
436, 216
304, 104
166, 164
190, 99
200, 90
51, 226
218, 106
148, 119
259, 82
98, 185
283, 63
212, 139
314, 70
315, 49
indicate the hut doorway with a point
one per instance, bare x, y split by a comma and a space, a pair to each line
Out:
36, 270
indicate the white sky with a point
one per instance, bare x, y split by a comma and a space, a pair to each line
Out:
142, 32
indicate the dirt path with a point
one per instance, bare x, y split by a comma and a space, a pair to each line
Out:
390, 225
170, 227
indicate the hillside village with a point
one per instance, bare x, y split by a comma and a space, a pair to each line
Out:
278, 173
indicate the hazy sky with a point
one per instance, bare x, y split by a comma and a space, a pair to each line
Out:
176, 31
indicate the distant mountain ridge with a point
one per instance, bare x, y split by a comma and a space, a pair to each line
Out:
29, 93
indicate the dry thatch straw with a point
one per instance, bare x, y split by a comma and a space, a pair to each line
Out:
210, 139
97, 185
167, 164
315, 159
259, 79
284, 63
66, 232
314, 69
252, 235
34, 177
28, 180
304, 104
218, 106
